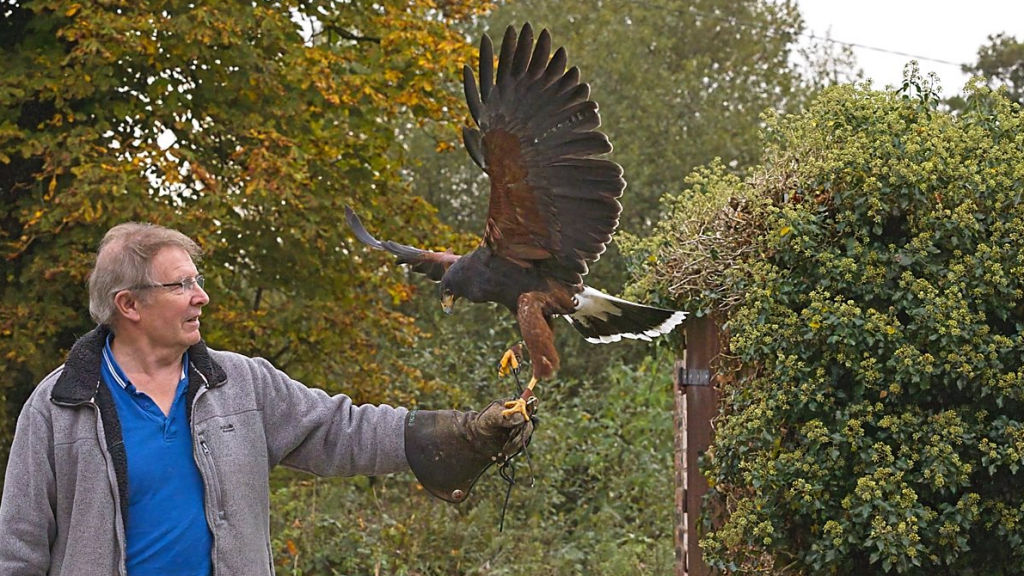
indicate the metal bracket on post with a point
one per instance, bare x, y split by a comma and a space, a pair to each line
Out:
693, 376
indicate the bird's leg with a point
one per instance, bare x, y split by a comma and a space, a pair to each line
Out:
509, 363
518, 406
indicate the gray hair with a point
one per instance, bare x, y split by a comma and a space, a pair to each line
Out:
123, 260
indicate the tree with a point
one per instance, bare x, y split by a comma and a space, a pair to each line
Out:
233, 125
871, 419
1001, 63
827, 62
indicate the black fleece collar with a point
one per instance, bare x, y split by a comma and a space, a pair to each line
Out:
80, 379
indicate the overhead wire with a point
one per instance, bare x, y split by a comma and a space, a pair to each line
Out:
766, 27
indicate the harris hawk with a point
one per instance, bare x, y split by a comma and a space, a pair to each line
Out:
552, 210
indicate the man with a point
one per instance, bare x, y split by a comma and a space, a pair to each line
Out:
146, 446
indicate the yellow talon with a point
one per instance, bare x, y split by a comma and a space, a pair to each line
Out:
519, 405
509, 362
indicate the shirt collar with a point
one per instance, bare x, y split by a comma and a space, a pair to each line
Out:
115, 372
79, 380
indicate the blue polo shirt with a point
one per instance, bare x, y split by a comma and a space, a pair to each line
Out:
166, 528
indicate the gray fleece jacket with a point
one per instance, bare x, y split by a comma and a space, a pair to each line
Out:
64, 496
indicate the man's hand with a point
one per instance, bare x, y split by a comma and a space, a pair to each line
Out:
449, 450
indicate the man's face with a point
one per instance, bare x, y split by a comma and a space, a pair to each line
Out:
170, 316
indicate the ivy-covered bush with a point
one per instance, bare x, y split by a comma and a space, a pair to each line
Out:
873, 421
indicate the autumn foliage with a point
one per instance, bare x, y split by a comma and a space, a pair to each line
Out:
248, 127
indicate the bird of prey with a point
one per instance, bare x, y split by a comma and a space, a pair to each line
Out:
552, 210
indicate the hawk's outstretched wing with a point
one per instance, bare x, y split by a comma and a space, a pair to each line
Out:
553, 199
433, 264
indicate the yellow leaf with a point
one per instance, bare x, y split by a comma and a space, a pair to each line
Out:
785, 230
73, 10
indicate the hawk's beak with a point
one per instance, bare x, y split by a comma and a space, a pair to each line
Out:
447, 302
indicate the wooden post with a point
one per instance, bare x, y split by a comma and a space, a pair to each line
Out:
679, 418
696, 403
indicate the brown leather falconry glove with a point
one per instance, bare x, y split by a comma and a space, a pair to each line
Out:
449, 450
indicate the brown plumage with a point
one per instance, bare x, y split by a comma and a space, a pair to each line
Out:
553, 203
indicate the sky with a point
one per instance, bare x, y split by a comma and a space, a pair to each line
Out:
937, 32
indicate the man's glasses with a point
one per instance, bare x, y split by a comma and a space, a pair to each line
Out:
180, 287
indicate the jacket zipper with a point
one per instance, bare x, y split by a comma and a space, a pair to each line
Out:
208, 472
216, 490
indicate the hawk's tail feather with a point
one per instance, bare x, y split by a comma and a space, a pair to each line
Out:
602, 318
